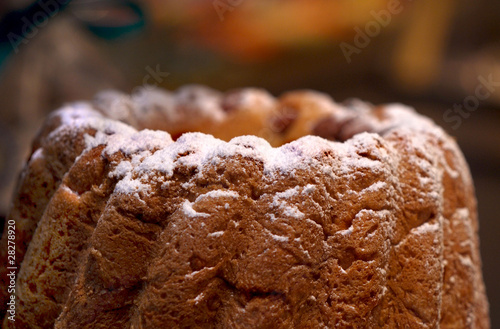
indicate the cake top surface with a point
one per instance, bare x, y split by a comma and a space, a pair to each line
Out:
149, 151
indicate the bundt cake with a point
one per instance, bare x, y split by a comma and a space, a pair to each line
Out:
200, 209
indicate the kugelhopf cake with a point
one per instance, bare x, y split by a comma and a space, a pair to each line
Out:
251, 212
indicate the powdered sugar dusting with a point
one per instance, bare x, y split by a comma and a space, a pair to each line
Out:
121, 170
279, 238
198, 298
281, 200
399, 115
150, 151
216, 234
199, 151
218, 194
376, 187
132, 186
116, 105
250, 98
38, 154
187, 208
196, 150
200, 100
138, 142
466, 260
426, 228
81, 114
148, 100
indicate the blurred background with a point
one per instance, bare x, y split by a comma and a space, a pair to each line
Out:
442, 57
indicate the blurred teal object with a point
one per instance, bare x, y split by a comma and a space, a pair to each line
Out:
107, 19
5, 50
17, 25
110, 19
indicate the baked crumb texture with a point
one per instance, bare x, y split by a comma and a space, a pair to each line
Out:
371, 223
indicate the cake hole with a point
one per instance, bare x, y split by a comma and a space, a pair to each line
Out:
368, 155
255, 193
116, 231
240, 255
184, 154
249, 147
196, 263
349, 258
328, 154
213, 302
233, 178
426, 215
372, 229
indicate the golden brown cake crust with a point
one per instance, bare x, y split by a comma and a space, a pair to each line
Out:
376, 228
